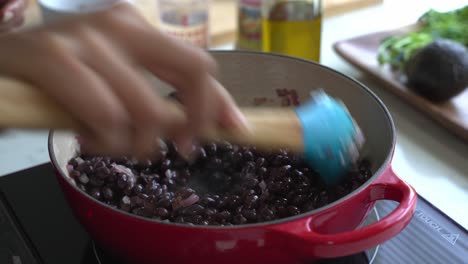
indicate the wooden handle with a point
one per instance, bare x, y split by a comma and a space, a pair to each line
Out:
26, 107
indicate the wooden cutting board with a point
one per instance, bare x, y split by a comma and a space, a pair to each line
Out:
361, 52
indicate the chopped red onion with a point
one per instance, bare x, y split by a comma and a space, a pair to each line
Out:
193, 198
69, 167
178, 202
122, 169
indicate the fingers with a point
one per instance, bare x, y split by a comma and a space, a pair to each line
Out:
228, 113
142, 103
91, 66
185, 67
84, 93
188, 70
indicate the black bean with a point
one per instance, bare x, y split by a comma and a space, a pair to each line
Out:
261, 171
293, 210
309, 206
143, 164
248, 169
251, 201
168, 182
95, 193
197, 219
223, 216
149, 208
141, 212
260, 162
136, 201
250, 182
125, 203
284, 170
200, 153
211, 149
96, 182
193, 209
151, 187
138, 189
112, 178
233, 201
164, 203
184, 173
83, 178
248, 156
185, 192
225, 146
278, 161
250, 214
242, 184
209, 212
229, 157
237, 157
276, 187
103, 172
162, 212
81, 187
179, 219
208, 201
223, 202
143, 196
238, 209
239, 219
266, 214
88, 169
181, 181
122, 180
299, 199
107, 193
248, 193
214, 163
166, 164
157, 191
280, 202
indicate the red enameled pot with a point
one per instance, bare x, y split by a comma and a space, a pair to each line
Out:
330, 231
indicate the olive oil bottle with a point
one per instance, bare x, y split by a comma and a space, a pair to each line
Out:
292, 27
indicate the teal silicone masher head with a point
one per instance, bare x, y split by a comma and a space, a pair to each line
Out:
332, 139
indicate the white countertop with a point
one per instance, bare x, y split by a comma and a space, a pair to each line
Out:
432, 160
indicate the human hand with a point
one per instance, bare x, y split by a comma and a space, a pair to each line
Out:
91, 65
11, 14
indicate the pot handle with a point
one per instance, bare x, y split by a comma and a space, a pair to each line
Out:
387, 187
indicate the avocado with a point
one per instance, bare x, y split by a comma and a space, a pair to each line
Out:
439, 70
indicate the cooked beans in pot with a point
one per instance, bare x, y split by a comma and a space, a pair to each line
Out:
224, 185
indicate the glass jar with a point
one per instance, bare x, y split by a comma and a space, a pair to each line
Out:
292, 27
249, 25
185, 19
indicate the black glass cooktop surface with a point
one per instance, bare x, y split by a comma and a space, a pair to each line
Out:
37, 226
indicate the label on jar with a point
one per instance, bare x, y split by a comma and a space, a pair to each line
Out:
249, 25
196, 35
191, 27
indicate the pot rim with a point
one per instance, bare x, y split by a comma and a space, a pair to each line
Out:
285, 220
